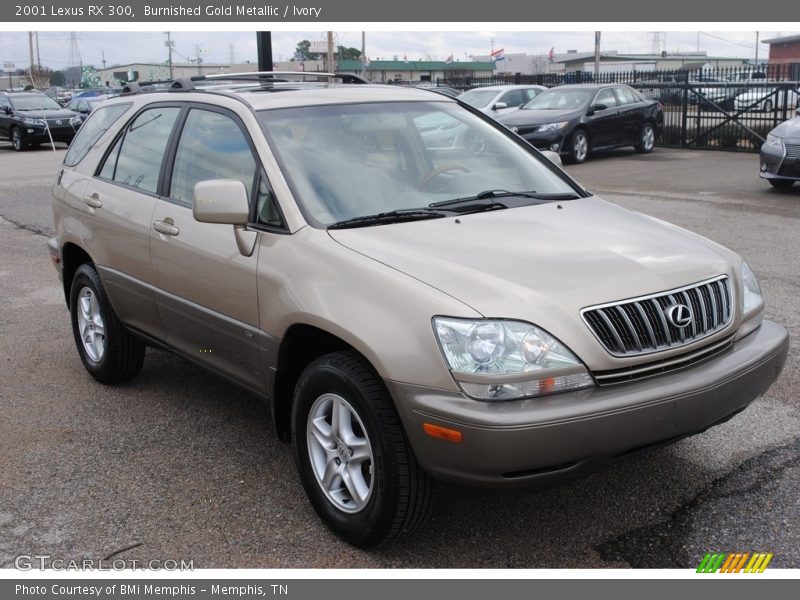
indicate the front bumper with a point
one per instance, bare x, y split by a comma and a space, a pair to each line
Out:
525, 442
774, 164
37, 134
550, 140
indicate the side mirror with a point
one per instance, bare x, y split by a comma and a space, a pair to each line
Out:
499, 105
8, 110
553, 157
599, 107
221, 201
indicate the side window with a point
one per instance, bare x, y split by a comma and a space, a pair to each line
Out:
530, 94
94, 127
606, 97
267, 212
626, 96
212, 146
4, 103
141, 150
512, 98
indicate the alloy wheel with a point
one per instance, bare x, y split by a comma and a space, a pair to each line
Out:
340, 453
648, 137
90, 325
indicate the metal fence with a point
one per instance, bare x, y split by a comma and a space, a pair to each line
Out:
717, 109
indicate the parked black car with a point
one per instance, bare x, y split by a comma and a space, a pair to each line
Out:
575, 120
85, 106
25, 118
780, 154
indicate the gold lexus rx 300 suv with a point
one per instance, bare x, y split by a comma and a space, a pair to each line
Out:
415, 291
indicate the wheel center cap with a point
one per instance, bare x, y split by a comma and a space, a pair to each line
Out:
343, 452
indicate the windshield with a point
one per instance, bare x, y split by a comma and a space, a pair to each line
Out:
478, 98
353, 160
35, 102
558, 99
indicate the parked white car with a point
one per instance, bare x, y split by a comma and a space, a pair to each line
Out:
765, 99
496, 100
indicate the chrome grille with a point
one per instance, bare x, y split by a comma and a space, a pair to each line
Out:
642, 325
792, 150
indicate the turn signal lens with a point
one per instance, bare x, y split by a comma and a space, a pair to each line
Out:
443, 433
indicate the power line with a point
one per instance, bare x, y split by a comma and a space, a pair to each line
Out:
721, 39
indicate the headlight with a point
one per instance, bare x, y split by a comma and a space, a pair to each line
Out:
505, 360
752, 298
775, 141
76, 120
32, 121
553, 126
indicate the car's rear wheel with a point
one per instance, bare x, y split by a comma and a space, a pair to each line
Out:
578, 146
17, 140
781, 183
108, 351
354, 459
647, 139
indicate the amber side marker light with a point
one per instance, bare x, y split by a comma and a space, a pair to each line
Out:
443, 433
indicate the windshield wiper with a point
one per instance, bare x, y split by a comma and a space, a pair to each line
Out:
392, 216
492, 194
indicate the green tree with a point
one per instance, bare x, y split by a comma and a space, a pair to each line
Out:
303, 51
348, 53
58, 79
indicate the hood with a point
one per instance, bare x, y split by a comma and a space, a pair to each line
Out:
538, 117
47, 114
542, 263
788, 129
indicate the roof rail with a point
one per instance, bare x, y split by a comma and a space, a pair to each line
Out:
279, 75
182, 84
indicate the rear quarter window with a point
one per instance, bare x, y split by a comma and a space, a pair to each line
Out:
91, 131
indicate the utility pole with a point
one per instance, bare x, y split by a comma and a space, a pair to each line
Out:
170, 45
36, 43
264, 49
331, 67
363, 54
30, 51
757, 49
103, 55
596, 55
199, 60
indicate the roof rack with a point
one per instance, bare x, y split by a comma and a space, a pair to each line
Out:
269, 76
186, 84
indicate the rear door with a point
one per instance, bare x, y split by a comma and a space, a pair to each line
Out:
117, 208
206, 287
631, 115
4, 118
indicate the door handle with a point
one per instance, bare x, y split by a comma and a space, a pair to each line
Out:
93, 201
166, 228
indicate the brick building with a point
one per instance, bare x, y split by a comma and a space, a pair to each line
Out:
784, 56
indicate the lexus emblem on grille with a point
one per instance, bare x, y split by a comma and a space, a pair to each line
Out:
58, 122
678, 315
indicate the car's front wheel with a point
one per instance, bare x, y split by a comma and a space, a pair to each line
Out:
647, 139
108, 351
17, 141
352, 453
579, 147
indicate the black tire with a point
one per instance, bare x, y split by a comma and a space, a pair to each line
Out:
122, 355
647, 139
781, 183
399, 490
17, 140
579, 146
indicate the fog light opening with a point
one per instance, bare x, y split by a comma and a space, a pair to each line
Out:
554, 147
763, 167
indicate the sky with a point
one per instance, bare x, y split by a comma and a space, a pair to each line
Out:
217, 47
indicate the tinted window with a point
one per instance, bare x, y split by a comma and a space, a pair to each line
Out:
3, 102
606, 97
267, 212
212, 146
561, 98
529, 93
142, 150
626, 96
90, 132
513, 98
34, 102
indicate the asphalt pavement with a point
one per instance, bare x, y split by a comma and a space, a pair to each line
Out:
178, 464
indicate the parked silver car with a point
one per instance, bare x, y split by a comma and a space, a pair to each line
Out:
409, 311
780, 154
497, 100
